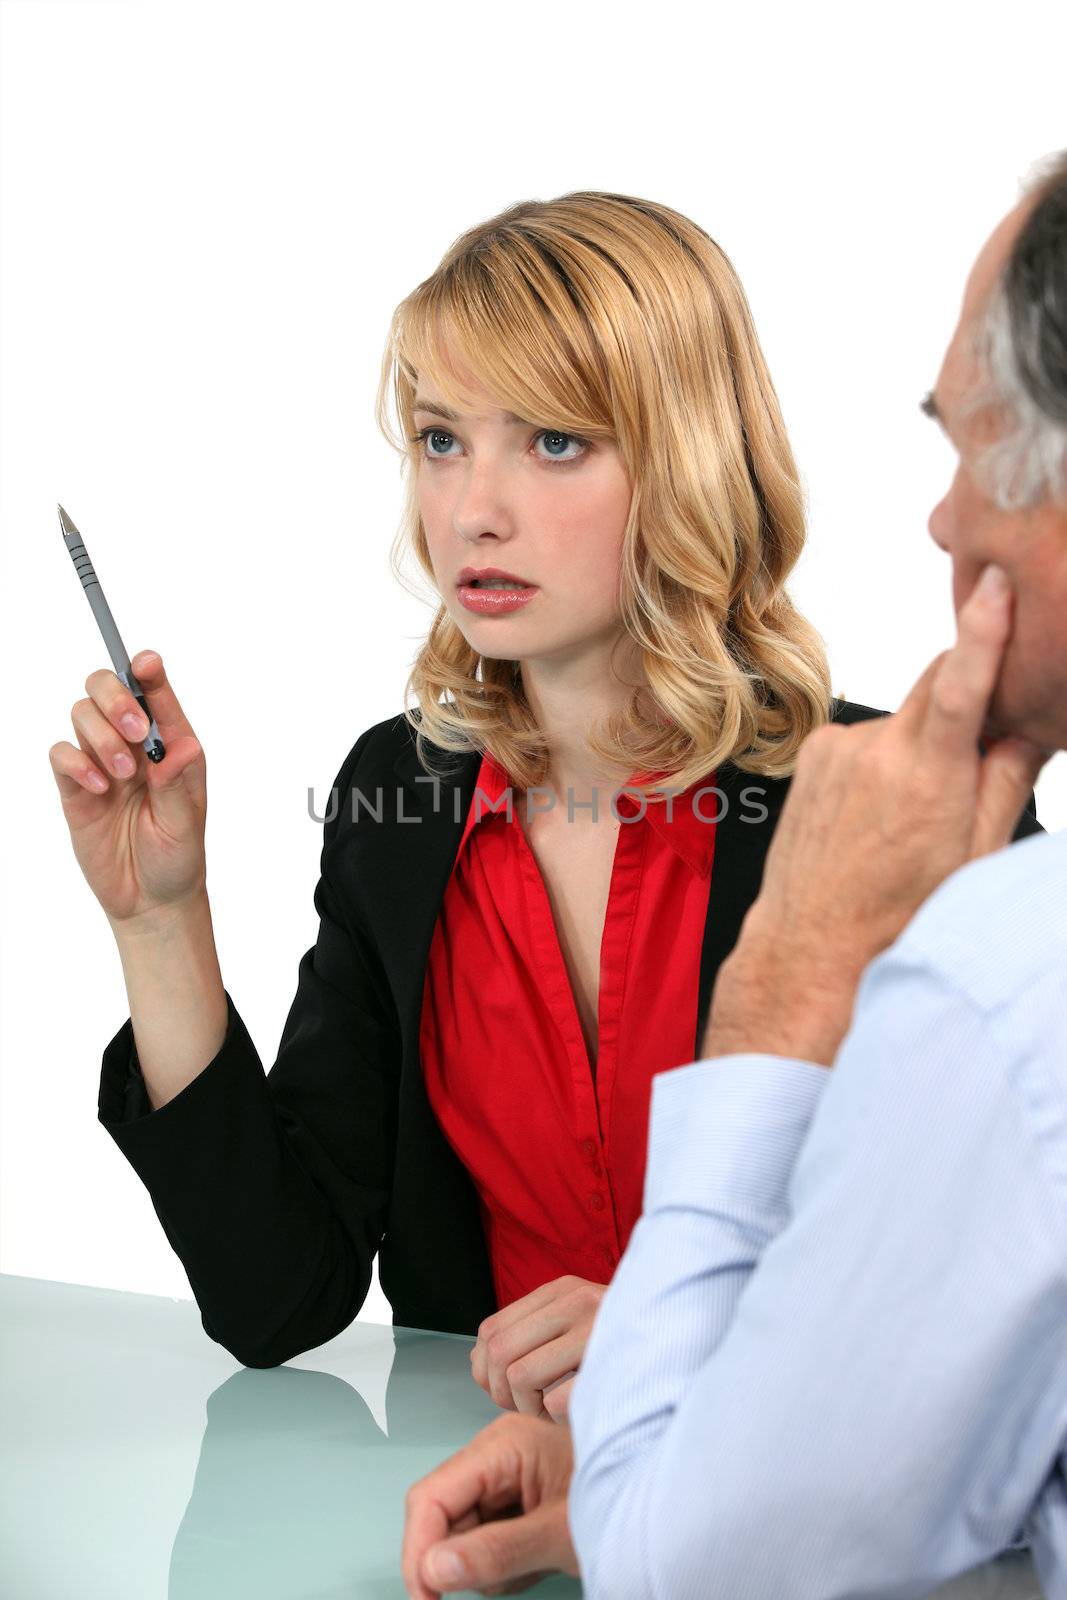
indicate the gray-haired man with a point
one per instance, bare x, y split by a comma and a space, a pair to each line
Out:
833, 1360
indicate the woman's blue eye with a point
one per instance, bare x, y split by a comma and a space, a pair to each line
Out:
425, 434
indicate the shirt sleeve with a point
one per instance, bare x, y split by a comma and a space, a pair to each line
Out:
723, 1139
886, 1402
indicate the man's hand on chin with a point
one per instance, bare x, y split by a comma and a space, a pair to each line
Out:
877, 816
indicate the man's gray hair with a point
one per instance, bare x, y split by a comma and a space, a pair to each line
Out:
1022, 344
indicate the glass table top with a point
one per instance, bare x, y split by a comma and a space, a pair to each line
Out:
140, 1460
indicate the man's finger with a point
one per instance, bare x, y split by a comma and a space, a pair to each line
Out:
1008, 773
963, 684
497, 1552
474, 1475
913, 707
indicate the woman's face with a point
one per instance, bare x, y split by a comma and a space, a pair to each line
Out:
547, 508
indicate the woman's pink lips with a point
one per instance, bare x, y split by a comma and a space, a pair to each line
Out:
494, 602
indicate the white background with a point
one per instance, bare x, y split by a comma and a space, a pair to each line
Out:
208, 214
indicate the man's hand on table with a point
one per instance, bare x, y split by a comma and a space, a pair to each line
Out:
498, 1507
500, 1503
878, 814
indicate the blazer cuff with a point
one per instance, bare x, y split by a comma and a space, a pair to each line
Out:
123, 1106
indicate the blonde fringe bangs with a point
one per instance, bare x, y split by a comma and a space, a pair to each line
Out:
618, 317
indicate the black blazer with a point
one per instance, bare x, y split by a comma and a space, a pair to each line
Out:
276, 1190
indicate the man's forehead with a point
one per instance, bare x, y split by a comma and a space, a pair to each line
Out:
993, 256
957, 368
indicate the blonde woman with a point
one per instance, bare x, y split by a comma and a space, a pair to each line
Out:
510, 947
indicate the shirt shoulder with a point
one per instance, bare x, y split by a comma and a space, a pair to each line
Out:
997, 926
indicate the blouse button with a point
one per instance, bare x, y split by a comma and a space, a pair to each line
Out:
588, 1147
596, 1202
598, 1170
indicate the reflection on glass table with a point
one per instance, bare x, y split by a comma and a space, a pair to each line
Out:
140, 1461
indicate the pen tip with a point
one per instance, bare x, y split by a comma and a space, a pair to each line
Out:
64, 521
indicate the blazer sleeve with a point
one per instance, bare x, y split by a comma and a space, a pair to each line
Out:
273, 1188
1027, 823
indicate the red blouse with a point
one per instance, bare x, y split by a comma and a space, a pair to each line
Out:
557, 1152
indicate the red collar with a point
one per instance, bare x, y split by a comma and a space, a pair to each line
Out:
690, 830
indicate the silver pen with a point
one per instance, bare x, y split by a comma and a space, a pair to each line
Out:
153, 744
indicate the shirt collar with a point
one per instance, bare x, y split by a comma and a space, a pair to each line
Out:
489, 786
690, 830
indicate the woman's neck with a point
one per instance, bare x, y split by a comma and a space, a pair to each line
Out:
567, 700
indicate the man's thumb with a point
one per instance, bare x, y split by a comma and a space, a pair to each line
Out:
496, 1552
1008, 772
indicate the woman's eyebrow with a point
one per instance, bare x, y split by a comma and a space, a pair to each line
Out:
437, 410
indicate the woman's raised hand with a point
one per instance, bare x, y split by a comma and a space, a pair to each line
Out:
138, 833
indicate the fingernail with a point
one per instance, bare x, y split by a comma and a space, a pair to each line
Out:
993, 583
134, 725
447, 1567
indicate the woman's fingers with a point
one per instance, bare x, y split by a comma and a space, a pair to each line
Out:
116, 704
110, 750
558, 1396
115, 701
75, 773
151, 674
184, 755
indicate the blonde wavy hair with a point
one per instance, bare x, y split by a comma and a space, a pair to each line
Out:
618, 317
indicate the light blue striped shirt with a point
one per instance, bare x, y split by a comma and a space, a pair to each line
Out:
833, 1359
